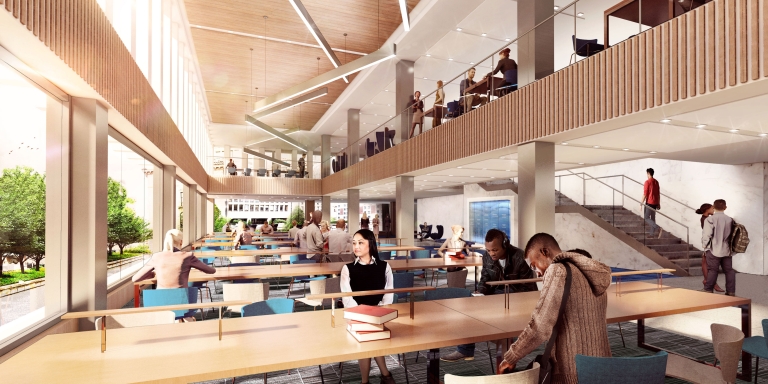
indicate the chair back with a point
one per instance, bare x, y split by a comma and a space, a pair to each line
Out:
530, 376
253, 292
137, 320
447, 293
510, 76
420, 254
248, 247
380, 140
317, 287
385, 255
370, 148
727, 342
207, 260
347, 257
402, 280
305, 261
261, 172
291, 173
334, 165
580, 44
247, 171
268, 307
439, 233
631, 370
174, 296
243, 259
457, 279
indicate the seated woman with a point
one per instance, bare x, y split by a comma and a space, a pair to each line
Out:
171, 268
454, 244
367, 273
242, 236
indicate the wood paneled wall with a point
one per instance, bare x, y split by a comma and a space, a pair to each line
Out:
250, 185
79, 33
714, 47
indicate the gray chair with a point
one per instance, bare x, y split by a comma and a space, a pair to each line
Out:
232, 170
247, 172
276, 173
291, 173
261, 172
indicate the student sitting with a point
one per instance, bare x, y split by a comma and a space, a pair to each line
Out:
171, 268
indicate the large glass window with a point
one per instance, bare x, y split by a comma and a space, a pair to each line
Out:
129, 211
31, 202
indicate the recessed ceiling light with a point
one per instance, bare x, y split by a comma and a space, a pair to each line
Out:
429, 55
507, 170
450, 59
557, 161
625, 149
458, 167
483, 34
492, 177
471, 62
371, 102
389, 105
564, 143
763, 134
506, 39
425, 78
733, 130
581, 163
580, 14
450, 175
596, 146
458, 29
701, 126
556, 7
665, 121
444, 181
652, 152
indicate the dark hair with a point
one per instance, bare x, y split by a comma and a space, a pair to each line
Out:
649, 171
367, 234
541, 240
720, 204
704, 208
581, 252
496, 234
505, 51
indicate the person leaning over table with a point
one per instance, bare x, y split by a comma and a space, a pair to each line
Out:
583, 331
314, 238
501, 261
242, 236
172, 268
367, 273
266, 229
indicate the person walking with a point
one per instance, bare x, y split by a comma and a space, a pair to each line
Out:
716, 240
651, 202
583, 330
376, 222
302, 165
705, 211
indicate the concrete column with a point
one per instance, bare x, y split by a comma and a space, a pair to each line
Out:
536, 50
295, 159
260, 163
404, 205
536, 191
244, 162
202, 215
209, 216
164, 203
309, 207
353, 134
326, 208
277, 154
190, 216
310, 164
325, 155
403, 94
353, 210
88, 202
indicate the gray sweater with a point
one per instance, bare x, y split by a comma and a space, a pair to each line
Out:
716, 234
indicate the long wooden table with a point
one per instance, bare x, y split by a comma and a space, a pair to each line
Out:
272, 271
289, 251
172, 353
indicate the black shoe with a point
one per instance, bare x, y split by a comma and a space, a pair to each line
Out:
730, 293
705, 290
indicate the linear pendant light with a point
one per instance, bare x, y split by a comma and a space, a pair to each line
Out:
286, 132
366, 61
293, 102
265, 157
315, 31
266, 128
404, 13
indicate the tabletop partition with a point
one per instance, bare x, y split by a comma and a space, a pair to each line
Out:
576, 37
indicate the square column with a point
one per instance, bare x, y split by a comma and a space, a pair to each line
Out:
353, 134
202, 215
405, 207
260, 163
325, 155
164, 204
536, 50
244, 161
309, 207
310, 164
88, 202
536, 191
276, 153
353, 210
326, 201
209, 216
190, 214
295, 159
403, 96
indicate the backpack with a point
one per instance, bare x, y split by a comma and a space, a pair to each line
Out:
739, 238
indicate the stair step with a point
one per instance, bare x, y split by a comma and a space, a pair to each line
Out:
673, 247
693, 265
617, 212
653, 241
681, 255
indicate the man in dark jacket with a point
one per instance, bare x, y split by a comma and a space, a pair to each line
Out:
502, 261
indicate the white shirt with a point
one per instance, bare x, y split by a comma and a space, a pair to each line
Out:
339, 241
349, 302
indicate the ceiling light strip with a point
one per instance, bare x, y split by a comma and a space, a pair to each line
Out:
272, 39
293, 102
404, 14
286, 132
274, 132
366, 61
265, 157
315, 31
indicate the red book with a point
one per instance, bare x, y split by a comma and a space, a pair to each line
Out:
370, 314
362, 336
364, 327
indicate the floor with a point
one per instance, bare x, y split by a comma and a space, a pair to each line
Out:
685, 334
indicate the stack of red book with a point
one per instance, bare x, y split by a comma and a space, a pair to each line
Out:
366, 322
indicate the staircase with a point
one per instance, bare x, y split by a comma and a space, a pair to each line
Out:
669, 251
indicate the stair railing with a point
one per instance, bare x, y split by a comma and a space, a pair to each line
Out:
584, 177
625, 177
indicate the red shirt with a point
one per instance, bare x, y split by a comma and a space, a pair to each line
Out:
651, 191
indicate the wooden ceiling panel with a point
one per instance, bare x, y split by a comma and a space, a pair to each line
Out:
225, 59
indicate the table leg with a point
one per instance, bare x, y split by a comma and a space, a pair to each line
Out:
136, 296
476, 279
433, 366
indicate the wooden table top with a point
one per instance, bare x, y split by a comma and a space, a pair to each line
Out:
481, 86
182, 353
229, 243
288, 251
270, 271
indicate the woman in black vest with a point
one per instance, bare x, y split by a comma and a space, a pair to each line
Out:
367, 273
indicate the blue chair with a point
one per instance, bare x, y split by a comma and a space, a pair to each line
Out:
210, 248
248, 246
758, 346
385, 255
447, 293
174, 296
453, 109
267, 307
402, 280
421, 254
296, 258
627, 370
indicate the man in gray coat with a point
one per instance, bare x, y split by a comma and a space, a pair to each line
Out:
716, 240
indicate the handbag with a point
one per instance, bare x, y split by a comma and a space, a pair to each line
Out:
546, 363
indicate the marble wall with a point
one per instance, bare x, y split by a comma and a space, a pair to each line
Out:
445, 211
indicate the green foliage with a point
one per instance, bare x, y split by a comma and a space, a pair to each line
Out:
22, 216
124, 226
140, 249
296, 215
15, 276
275, 222
218, 221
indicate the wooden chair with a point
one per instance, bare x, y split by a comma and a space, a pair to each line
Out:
727, 342
530, 376
253, 292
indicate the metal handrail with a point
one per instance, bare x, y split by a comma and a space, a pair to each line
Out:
662, 194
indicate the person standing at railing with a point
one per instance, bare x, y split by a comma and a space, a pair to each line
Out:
437, 109
716, 240
230, 167
302, 165
651, 202
417, 107
706, 210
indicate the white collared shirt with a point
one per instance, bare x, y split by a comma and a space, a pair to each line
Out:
349, 302
339, 241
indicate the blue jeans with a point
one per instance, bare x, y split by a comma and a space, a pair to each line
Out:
466, 349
